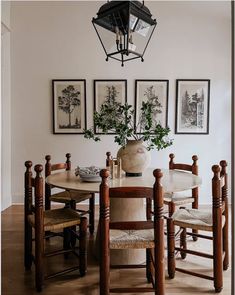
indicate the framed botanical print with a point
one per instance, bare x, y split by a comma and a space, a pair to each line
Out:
110, 93
192, 106
156, 92
69, 106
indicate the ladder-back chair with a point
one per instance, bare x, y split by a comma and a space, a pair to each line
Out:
214, 221
147, 235
53, 221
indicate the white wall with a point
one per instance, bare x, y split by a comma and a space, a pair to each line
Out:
6, 196
56, 40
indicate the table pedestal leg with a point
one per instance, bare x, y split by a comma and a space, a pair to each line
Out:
127, 210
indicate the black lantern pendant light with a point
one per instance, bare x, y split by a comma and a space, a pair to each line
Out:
124, 29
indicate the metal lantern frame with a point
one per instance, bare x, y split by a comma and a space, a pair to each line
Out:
117, 14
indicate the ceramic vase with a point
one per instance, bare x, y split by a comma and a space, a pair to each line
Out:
135, 157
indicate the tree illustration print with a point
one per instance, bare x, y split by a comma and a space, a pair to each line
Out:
111, 104
153, 98
68, 101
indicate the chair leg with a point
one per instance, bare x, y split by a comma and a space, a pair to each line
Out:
47, 204
66, 241
171, 248
104, 264
39, 252
148, 266
83, 246
149, 263
183, 243
225, 242
28, 246
218, 260
73, 237
47, 197
195, 206
92, 214
195, 231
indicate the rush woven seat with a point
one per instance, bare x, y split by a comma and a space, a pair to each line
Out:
144, 234
215, 222
68, 197
55, 221
131, 239
178, 199
195, 219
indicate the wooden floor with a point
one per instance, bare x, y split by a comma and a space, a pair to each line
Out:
15, 281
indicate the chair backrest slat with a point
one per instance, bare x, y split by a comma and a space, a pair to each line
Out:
185, 167
131, 225
58, 166
131, 192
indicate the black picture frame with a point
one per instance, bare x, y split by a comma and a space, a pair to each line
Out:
149, 89
102, 90
192, 106
69, 118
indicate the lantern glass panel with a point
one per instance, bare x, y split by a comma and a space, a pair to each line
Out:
108, 39
133, 21
139, 38
142, 28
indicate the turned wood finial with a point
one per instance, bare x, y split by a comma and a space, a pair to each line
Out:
68, 156
27, 177
195, 166
223, 165
48, 158
104, 174
38, 169
28, 165
216, 191
48, 165
38, 183
157, 174
171, 156
194, 158
104, 198
216, 171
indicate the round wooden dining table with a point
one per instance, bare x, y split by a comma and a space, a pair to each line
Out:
127, 209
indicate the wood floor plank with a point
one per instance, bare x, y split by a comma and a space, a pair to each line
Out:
15, 281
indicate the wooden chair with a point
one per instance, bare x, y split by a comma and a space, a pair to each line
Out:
69, 198
147, 234
214, 221
178, 199
50, 220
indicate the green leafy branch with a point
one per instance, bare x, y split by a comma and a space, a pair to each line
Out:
119, 119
